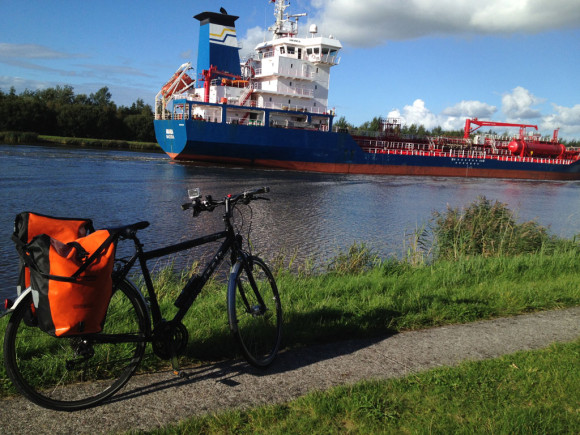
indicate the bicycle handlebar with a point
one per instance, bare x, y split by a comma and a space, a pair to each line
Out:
209, 204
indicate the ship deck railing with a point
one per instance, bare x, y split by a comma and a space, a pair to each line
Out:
466, 154
323, 110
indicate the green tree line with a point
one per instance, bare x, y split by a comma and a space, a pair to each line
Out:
59, 111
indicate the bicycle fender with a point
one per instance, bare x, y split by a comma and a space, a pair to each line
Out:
17, 302
141, 296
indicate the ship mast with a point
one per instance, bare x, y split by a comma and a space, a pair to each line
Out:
284, 26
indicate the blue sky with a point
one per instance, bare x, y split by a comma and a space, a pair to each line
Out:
430, 62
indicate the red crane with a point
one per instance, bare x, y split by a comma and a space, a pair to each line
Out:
526, 146
468, 130
208, 74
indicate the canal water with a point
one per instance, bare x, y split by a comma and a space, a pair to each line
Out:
310, 215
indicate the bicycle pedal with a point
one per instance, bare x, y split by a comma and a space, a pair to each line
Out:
181, 374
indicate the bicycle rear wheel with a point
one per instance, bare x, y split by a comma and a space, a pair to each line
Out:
71, 373
254, 310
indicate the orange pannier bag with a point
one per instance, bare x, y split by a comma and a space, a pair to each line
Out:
68, 270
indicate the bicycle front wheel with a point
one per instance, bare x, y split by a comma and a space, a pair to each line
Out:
72, 373
254, 310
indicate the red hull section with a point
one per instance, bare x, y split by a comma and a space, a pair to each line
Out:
345, 168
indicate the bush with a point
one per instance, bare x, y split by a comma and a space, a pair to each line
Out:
485, 228
18, 137
358, 259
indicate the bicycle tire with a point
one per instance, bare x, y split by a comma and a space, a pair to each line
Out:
257, 326
43, 367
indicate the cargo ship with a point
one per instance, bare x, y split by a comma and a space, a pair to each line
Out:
271, 110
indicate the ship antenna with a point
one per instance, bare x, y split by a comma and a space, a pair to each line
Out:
284, 26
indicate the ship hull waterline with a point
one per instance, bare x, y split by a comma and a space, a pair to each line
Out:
329, 152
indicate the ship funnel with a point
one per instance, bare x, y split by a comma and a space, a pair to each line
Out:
218, 44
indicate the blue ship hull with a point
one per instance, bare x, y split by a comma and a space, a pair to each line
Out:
311, 150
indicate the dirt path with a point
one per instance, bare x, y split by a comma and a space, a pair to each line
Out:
150, 401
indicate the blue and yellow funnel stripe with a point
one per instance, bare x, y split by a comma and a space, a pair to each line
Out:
218, 43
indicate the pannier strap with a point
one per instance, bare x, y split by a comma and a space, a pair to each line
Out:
24, 254
95, 256
114, 234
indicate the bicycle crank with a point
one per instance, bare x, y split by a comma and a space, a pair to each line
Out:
169, 340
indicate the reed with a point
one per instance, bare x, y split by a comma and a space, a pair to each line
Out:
100, 143
484, 228
29, 138
18, 137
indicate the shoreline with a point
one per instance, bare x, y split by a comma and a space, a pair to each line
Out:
29, 138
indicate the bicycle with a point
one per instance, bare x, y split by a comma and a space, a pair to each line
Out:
84, 370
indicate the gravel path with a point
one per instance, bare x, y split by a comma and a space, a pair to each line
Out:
154, 400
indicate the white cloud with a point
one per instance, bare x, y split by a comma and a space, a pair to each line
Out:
367, 23
417, 113
254, 36
470, 109
519, 104
567, 119
32, 51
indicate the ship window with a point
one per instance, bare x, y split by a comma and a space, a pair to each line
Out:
309, 51
325, 51
315, 86
289, 102
270, 99
316, 50
291, 65
290, 83
290, 50
282, 50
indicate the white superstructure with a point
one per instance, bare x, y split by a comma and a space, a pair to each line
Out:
287, 74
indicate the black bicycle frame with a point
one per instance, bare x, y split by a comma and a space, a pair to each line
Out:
193, 287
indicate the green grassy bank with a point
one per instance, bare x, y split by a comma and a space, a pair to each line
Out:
390, 297
524, 393
361, 295
28, 138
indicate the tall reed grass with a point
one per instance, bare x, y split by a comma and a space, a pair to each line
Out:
18, 137
484, 228
29, 138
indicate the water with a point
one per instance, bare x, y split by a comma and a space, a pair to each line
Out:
314, 214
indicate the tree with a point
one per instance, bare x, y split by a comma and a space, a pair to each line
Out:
342, 124
374, 125
101, 98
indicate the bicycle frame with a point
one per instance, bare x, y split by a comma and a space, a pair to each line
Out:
193, 287
253, 303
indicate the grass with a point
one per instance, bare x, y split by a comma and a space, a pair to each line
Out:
381, 298
486, 228
524, 393
361, 295
28, 138
390, 297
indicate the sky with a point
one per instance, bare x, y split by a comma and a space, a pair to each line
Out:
429, 62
